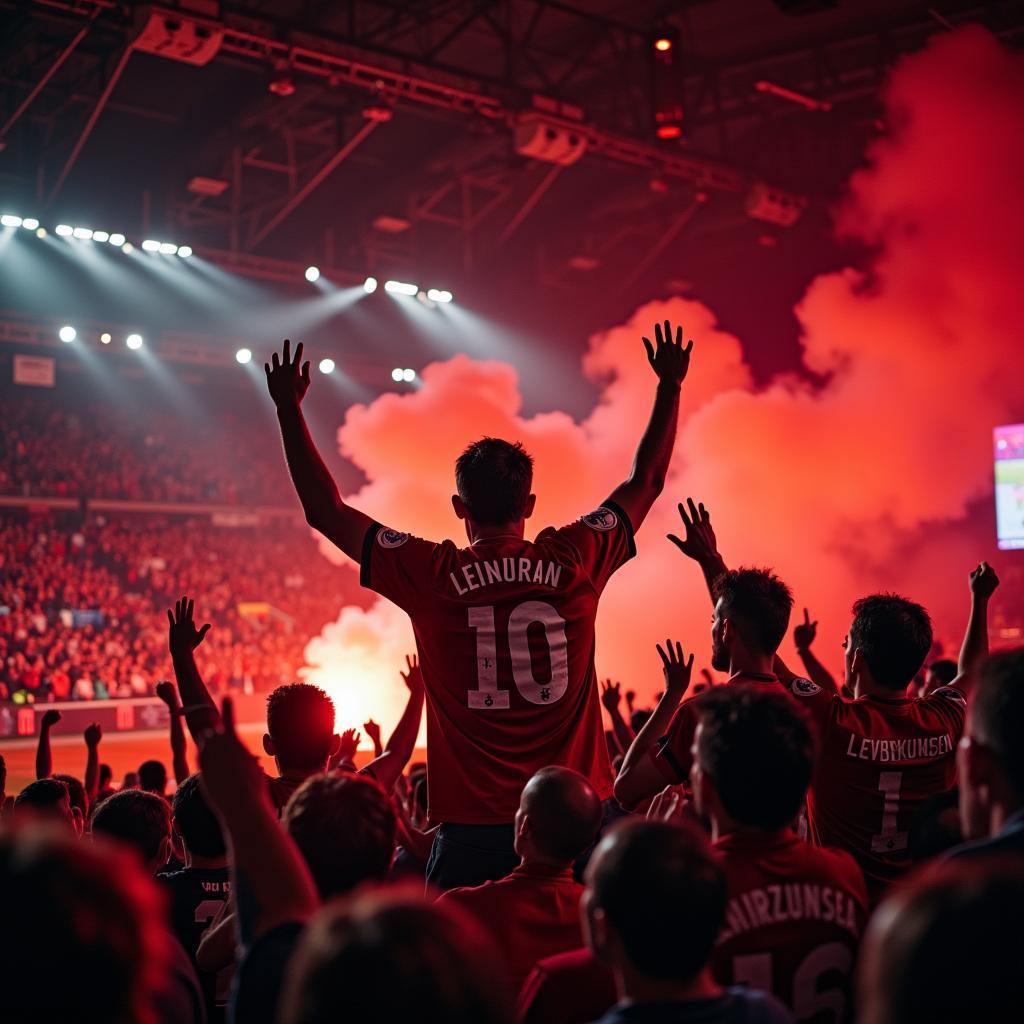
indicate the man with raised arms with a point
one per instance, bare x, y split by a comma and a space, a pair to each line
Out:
504, 626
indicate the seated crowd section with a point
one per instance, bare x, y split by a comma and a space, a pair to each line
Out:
769, 843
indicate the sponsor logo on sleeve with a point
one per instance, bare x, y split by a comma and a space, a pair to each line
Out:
602, 520
804, 687
950, 693
391, 538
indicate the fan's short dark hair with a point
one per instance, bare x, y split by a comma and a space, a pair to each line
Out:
757, 748
153, 776
758, 603
345, 826
300, 721
195, 821
997, 712
894, 636
135, 817
493, 478
43, 794
946, 669
664, 894
76, 792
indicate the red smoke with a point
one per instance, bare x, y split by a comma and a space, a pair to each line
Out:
854, 485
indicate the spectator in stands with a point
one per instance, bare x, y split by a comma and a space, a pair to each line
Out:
973, 907
391, 957
153, 778
89, 910
654, 904
990, 761
941, 672
46, 800
106, 779
534, 912
139, 819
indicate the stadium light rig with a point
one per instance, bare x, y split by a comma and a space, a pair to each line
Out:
243, 356
400, 288
370, 285
312, 274
400, 375
666, 84
67, 334
439, 295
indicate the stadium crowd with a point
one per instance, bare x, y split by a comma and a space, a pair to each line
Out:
83, 603
776, 848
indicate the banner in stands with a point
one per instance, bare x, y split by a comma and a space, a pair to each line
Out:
35, 371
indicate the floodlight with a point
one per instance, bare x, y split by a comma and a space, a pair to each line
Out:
64, 230
168, 248
31, 223
133, 341
9, 220
105, 338
400, 288
312, 273
67, 333
101, 236
439, 295
185, 251
396, 374
151, 245
408, 376
243, 356
116, 238
85, 233
327, 365
370, 285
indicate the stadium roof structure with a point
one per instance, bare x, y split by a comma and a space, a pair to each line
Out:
501, 137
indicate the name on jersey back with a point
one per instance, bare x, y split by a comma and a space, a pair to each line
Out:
916, 748
506, 570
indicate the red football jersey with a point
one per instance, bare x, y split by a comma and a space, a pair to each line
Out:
878, 762
505, 633
672, 754
793, 923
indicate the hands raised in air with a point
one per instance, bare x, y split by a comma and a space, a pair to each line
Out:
805, 632
984, 581
667, 356
93, 734
168, 693
414, 677
700, 542
677, 670
349, 745
611, 695
183, 637
287, 378
50, 719
229, 774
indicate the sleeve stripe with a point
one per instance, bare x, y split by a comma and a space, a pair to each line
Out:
664, 752
624, 519
364, 562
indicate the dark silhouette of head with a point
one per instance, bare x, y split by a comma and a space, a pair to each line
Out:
195, 822
46, 799
493, 479
90, 910
76, 793
345, 827
752, 609
654, 902
153, 777
300, 728
974, 907
106, 776
754, 756
138, 819
888, 641
558, 817
391, 956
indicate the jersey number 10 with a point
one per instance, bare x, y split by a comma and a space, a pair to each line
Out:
487, 695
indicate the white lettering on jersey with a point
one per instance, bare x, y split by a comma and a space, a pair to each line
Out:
914, 749
602, 520
475, 575
796, 901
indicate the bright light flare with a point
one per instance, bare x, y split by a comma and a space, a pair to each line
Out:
64, 230
134, 341
151, 245
408, 375
184, 251
243, 356
101, 236
663, 44
84, 233
67, 334
327, 365
116, 239
439, 295
312, 274
105, 338
9, 220
396, 375
168, 249
30, 223
370, 285
400, 288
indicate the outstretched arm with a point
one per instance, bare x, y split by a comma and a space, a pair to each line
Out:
344, 526
975, 646
611, 695
259, 850
803, 636
183, 638
700, 543
670, 361
93, 735
169, 695
638, 777
387, 768
44, 754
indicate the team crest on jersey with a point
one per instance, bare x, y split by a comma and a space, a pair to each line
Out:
391, 538
950, 693
804, 687
602, 520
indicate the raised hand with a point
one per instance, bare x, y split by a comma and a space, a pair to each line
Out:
805, 632
228, 772
700, 542
168, 693
349, 745
611, 695
183, 637
414, 677
93, 735
50, 719
677, 670
984, 581
287, 378
667, 356
630, 699
669, 805
373, 731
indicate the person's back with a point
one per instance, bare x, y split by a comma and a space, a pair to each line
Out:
795, 911
534, 912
